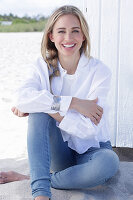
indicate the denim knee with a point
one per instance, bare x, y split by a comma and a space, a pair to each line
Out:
109, 162
40, 115
114, 160
105, 166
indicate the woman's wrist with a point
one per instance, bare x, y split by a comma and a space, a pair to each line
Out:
56, 116
74, 103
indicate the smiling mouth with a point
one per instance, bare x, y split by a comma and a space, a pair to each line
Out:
68, 45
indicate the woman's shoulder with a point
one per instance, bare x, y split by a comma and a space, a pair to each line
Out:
37, 68
99, 66
40, 63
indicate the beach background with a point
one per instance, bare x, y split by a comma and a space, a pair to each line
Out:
17, 52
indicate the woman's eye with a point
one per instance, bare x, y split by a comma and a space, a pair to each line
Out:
75, 31
61, 32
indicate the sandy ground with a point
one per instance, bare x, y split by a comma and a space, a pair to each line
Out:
18, 51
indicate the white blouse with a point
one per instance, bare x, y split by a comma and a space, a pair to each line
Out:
91, 80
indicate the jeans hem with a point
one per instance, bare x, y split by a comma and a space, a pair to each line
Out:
42, 193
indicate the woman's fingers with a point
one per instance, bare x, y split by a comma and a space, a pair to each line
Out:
12, 109
18, 113
26, 114
21, 114
99, 113
93, 119
100, 109
97, 117
15, 112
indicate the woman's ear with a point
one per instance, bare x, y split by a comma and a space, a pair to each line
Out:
51, 37
84, 38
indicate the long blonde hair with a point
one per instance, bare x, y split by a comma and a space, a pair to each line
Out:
48, 49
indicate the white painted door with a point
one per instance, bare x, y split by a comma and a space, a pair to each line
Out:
111, 33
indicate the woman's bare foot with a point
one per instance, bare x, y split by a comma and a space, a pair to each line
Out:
41, 198
6, 177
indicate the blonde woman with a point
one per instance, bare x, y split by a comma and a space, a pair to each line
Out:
66, 100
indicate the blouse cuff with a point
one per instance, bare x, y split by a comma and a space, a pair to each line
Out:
78, 127
64, 104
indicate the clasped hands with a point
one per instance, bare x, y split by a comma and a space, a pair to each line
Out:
88, 108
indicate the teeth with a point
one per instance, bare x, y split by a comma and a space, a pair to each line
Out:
68, 45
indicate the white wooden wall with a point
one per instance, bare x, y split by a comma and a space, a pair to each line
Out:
111, 32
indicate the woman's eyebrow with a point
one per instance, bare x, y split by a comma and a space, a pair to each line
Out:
60, 28
76, 27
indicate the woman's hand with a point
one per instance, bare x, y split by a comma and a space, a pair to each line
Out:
57, 117
18, 113
88, 108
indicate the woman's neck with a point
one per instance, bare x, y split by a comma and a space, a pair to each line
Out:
69, 63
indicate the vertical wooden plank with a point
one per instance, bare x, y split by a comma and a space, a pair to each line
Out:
125, 100
109, 50
93, 18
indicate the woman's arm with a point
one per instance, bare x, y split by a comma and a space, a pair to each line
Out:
18, 113
88, 108
33, 98
80, 125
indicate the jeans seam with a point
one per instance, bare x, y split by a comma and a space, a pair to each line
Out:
47, 153
48, 149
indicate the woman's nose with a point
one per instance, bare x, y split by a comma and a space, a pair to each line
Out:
68, 36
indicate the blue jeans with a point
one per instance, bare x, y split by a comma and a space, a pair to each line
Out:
47, 151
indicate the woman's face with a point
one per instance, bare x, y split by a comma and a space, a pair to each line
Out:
67, 35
